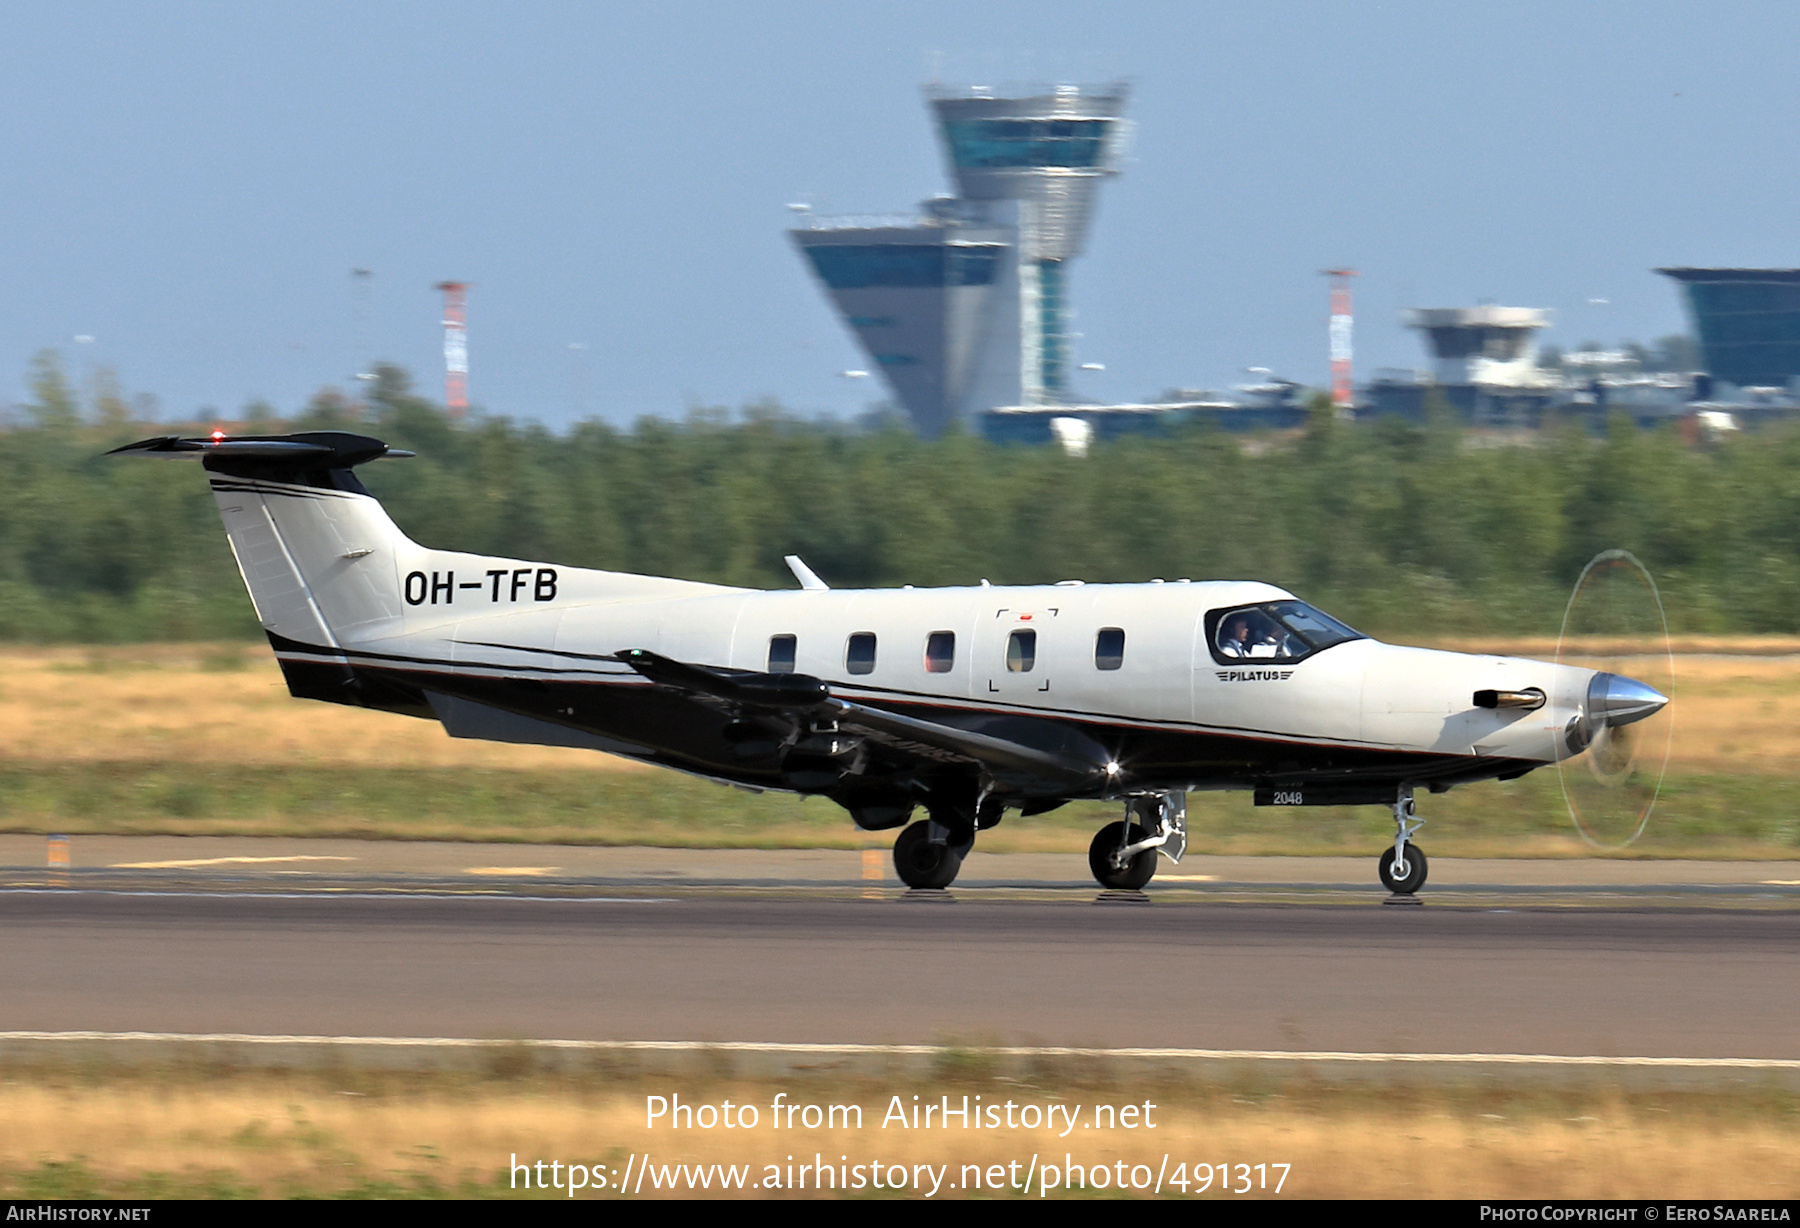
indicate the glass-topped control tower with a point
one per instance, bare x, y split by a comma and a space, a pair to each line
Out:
1044, 153
964, 307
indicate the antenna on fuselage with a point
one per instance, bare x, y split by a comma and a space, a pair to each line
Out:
808, 578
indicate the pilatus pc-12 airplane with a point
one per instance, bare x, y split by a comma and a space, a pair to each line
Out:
961, 702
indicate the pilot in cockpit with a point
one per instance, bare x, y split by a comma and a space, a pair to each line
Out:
1251, 633
1234, 638
1244, 638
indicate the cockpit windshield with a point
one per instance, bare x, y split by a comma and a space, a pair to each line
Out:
1274, 631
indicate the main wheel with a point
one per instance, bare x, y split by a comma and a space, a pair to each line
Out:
1404, 879
1138, 868
920, 863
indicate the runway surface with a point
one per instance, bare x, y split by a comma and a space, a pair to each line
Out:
262, 864
1699, 982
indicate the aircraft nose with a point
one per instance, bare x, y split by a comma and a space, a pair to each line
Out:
1618, 700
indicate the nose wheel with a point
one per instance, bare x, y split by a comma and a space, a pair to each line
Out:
1403, 874
1123, 855
1403, 867
1115, 869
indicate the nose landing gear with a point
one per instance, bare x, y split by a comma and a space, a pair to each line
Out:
1403, 867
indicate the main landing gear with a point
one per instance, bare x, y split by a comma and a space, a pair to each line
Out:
930, 852
1123, 854
1403, 867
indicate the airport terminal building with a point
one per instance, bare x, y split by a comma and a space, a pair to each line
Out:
963, 306
1748, 322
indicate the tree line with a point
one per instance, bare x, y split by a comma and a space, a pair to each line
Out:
1401, 530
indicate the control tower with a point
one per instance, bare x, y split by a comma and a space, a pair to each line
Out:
1044, 154
964, 306
1494, 346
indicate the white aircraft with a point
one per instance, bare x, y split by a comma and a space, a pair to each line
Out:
966, 702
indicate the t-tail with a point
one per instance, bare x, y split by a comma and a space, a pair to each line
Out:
318, 553
334, 580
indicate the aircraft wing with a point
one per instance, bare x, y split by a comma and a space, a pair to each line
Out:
1031, 754
798, 693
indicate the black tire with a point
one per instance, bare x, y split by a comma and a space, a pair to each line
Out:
920, 863
1135, 873
1414, 876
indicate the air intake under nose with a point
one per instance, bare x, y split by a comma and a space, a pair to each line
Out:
1617, 700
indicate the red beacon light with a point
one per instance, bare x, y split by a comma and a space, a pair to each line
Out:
218, 436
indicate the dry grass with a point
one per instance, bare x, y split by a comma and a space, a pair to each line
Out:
1737, 714
269, 1134
228, 705
198, 740
222, 705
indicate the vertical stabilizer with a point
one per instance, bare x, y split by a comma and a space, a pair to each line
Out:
334, 580
317, 553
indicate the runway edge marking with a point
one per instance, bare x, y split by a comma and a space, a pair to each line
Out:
858, 1050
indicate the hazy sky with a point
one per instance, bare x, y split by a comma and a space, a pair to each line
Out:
190, 184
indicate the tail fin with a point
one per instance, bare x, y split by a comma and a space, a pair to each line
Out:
335, 581
317, 552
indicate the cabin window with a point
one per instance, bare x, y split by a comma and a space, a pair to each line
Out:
859, 653
1109, 648
1021, 652
781, 654
940, 652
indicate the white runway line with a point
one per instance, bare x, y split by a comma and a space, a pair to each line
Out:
218, 861
856, 1050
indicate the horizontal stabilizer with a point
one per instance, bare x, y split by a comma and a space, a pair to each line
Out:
306, 450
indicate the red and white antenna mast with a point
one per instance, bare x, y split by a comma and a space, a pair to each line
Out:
456, 346
1343, 393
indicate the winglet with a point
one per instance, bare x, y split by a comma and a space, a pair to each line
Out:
809, 579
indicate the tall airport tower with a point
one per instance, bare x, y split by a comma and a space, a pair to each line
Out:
1043, 154
963, 307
